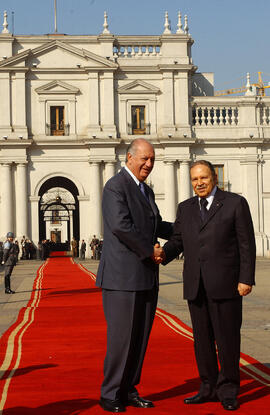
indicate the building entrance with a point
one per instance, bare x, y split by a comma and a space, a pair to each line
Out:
59, 211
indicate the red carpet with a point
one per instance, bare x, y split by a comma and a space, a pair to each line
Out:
51, 358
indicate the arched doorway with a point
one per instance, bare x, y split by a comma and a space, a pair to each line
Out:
59, 218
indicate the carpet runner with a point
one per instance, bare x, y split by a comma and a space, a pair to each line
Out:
51, 359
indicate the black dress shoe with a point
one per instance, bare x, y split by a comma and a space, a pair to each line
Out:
139, 402
9, 291
199, 399
230, 404
112, 405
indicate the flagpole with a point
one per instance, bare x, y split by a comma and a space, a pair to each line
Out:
55, 18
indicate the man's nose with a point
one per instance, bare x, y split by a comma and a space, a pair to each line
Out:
149, 163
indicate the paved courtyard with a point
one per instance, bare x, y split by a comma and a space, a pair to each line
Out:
256, 319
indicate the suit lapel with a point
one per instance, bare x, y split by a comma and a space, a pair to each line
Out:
216, 205
195, 212
137, 190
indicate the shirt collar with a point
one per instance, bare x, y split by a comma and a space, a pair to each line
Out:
210, 197
132, 175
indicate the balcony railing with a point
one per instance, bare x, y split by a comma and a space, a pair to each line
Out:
264, 114
52, 129
136, 131
214, 115
133, 51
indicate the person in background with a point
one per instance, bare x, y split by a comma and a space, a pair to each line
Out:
82, 250
9, 260
74, 247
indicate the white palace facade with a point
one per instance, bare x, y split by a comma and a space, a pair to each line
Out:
70, 105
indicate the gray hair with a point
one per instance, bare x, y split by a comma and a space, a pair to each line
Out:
133, 146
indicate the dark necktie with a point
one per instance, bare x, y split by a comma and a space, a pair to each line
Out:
142, 189
204, 211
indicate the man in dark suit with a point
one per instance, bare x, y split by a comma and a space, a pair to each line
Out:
214, 230
128, 275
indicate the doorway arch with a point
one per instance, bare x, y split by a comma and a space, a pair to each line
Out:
57, 183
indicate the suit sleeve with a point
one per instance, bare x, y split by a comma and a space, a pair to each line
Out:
174, 246
116, 213
246, 243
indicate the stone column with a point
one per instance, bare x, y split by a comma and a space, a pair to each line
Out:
96, 198
109, 170
6, 200
250, 192
94, 104
20, 113
34, 218
168, 104
22, 201
184, 180
250, 187
5, 119
71, 223
170, 193
182, 106
107, 108
72, 116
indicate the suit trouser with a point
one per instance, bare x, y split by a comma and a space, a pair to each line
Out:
129, 316
217, 322
8, 272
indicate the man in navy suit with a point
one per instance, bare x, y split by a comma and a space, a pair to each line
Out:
128, 275
214, 230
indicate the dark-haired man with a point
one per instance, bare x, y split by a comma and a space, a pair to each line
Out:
214, 230
128, 276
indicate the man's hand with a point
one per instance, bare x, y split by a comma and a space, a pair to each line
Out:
244, 289
158, 255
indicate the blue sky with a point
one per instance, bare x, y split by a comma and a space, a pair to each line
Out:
231, 36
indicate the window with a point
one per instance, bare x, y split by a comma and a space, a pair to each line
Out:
55, 217
138, 119
219, 169
57, 120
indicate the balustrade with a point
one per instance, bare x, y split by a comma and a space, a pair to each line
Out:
264, 115
136, 51
214, 115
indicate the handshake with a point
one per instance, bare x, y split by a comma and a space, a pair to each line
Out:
158, 254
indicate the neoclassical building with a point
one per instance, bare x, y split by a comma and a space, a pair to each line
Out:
70, 105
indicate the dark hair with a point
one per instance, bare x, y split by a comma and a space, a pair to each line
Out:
205, 163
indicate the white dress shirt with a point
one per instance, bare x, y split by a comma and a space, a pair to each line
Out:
209, 198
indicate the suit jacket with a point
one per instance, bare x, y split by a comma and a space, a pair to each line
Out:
131, 227
221, 250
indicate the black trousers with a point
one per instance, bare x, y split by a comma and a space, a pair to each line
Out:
217, 322
129, 316
8, 272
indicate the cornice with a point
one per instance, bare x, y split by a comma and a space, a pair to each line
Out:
138, 40
11, 143
49, 37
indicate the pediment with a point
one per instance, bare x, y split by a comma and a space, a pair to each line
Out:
57, 87
138, 86
51, 54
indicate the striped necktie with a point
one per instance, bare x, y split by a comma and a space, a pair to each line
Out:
143, 190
